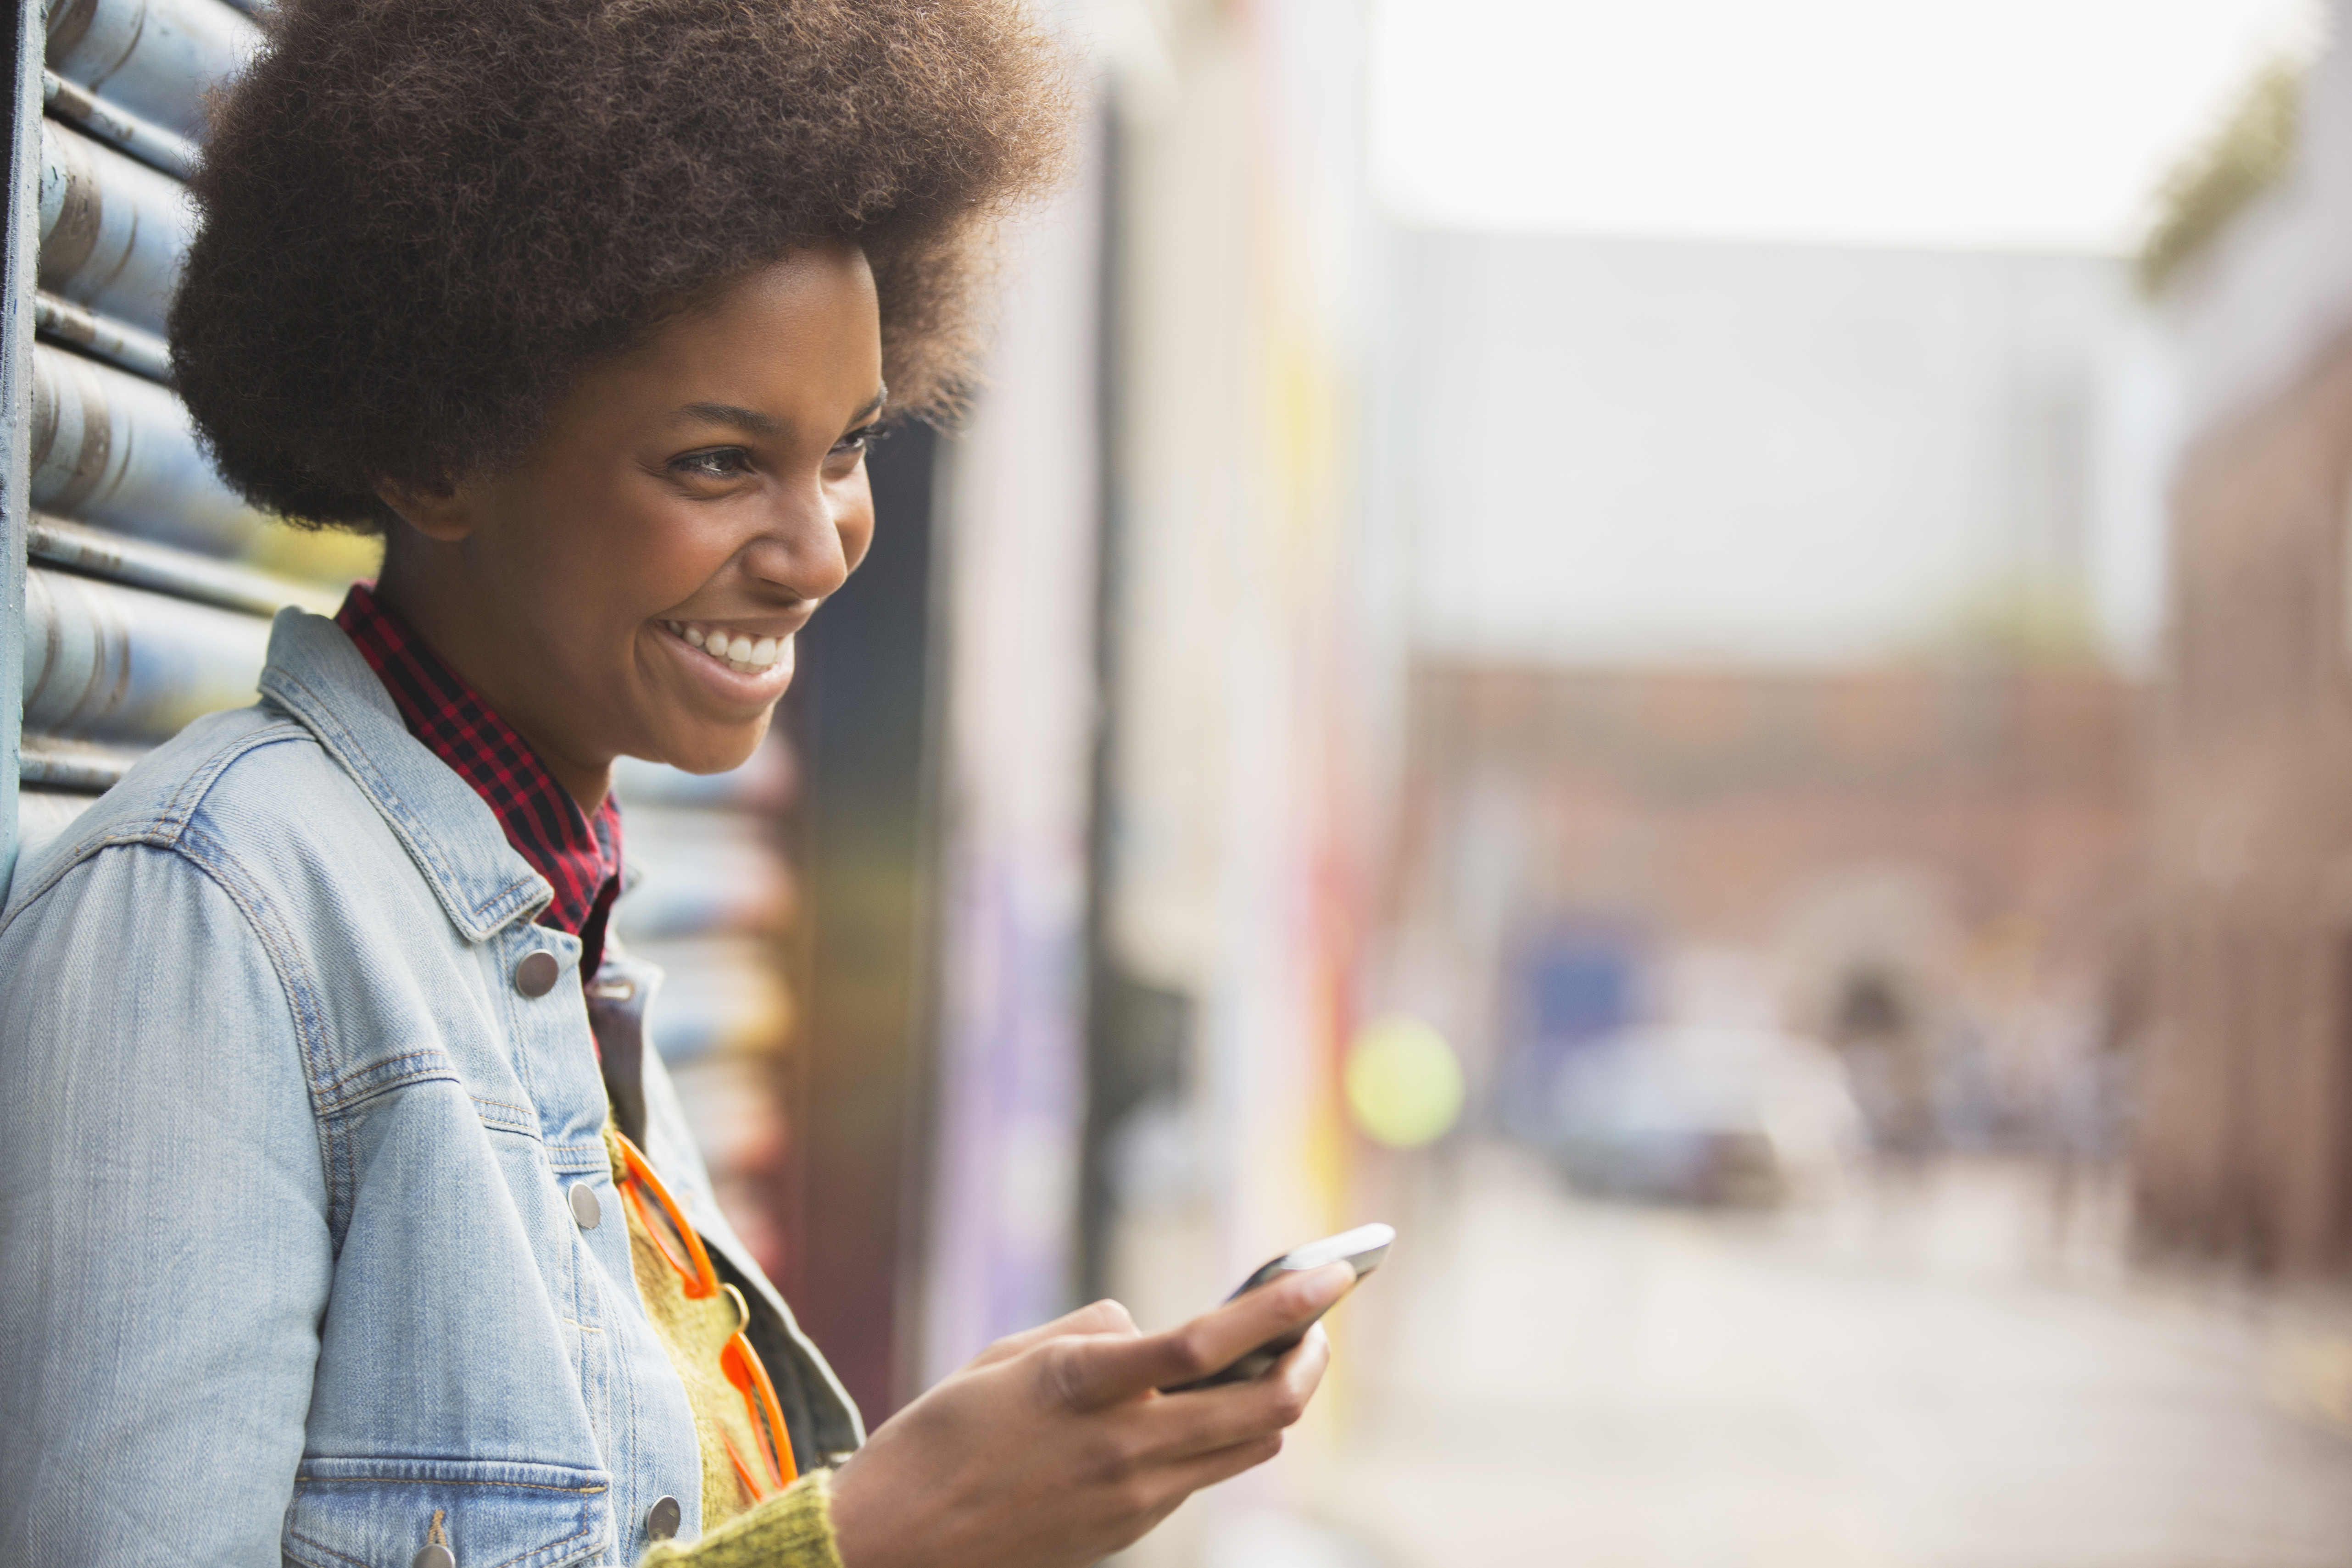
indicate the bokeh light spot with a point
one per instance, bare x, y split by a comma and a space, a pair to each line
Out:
1403, 1083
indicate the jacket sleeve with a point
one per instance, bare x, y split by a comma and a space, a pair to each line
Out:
164, 1257
792, 1528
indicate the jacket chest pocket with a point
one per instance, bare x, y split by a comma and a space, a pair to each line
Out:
379, 1513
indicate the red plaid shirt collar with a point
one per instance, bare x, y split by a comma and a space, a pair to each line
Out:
579, 854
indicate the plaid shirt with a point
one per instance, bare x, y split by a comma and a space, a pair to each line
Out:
579, 855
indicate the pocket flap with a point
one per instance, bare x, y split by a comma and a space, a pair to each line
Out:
378, 1513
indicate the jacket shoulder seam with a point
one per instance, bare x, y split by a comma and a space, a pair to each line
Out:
164, 827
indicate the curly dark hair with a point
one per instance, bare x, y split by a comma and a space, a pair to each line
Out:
421, 218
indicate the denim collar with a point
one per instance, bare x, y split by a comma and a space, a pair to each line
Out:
318, 677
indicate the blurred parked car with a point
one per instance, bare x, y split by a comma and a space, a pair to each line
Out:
1745, 1117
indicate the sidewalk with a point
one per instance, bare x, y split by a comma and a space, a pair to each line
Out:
1920, 1380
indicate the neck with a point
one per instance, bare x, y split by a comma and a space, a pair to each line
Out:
425, 583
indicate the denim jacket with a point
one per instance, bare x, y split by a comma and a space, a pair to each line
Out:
290, 1258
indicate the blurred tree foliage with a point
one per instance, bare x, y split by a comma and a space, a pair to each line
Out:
2213, 184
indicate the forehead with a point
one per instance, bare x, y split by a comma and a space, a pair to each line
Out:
789, 339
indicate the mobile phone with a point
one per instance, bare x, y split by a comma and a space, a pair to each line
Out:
1360, 1248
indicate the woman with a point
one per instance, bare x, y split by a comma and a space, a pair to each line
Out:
344, 1217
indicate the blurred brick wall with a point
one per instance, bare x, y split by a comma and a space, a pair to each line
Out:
1698, 800
2246, 1147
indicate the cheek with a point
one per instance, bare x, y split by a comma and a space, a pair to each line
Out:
856, 525
655, 558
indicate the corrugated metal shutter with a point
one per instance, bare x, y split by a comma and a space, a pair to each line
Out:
141, 587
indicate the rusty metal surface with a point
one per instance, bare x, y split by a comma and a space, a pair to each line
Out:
142, 353
103, 662
76, 765
113, 231
155, 57
150, 144
111, 449
143, 564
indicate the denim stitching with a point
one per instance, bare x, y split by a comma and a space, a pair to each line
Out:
404, 818
210, 857
551, 1546
145, 832
375, 1091
322, 1546
519, 1557
303, 1480
337, 738
387, 1062
205, 774
524, 1122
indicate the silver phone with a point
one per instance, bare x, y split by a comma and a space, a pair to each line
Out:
1360, 1248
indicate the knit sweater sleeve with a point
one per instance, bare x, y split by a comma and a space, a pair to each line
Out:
794, 1529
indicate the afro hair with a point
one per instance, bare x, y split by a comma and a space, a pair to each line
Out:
420, 218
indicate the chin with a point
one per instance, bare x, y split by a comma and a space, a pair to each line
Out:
708, 751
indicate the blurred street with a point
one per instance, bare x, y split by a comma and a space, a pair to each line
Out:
1928, 1381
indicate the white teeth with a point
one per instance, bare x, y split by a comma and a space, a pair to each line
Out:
742, 653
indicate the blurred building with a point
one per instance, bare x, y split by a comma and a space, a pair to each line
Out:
1618, 449
1767, 605
1957, 837
1162, 686
2246, 1153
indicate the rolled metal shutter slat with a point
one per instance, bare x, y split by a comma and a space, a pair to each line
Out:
113, 231
707, 874
153, 58
721, 996
77, 765
111, 448
152, 144
141, 564
105, 662
142, 354
43, 814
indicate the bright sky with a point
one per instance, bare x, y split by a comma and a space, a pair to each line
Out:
2026, 124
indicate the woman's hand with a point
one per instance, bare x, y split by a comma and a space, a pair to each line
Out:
1054, 1449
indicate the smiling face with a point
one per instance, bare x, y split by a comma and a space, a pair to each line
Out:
633, 586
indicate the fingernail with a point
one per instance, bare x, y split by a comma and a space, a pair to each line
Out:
1329, 1284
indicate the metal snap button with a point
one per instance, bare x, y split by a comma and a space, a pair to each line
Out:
535, 976
585, 1210
661, 1519
433, 1557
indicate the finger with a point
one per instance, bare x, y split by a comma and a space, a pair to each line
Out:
1211, 1419
1096, 1373
1105, 1317
1218, 1465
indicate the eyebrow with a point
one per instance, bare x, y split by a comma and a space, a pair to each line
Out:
752, 420
741, 418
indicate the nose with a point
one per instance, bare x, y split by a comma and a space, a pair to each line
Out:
813, 537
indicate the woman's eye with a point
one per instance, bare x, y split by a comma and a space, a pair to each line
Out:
858, 440
720, 463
